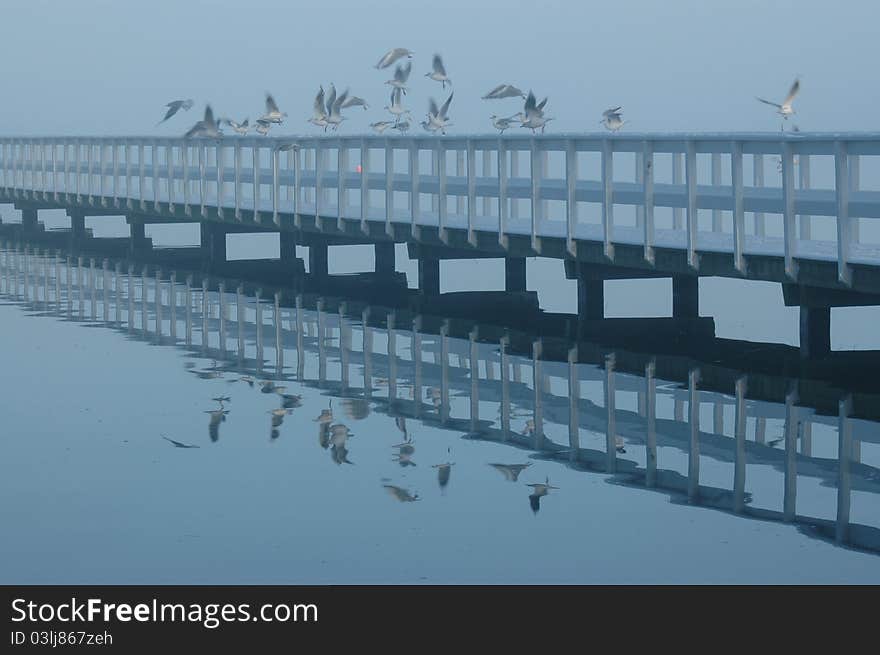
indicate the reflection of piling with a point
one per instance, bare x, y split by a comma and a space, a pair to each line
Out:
789, 499
844, 479
694, 422
739, 430
651, 425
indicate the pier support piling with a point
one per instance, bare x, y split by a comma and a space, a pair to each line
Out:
685, 297
385, 258
429, 276
515, 274
29, 220
287, 247
213, 242
318, 260
591, 295
815, 331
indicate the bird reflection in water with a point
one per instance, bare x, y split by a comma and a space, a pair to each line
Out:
435, 396
217, 417
405, 452
400, 422
444, 471
511, 471
529, 429
401, 494
243, 378
326, 415
538, 490
339, 435
324, 435
619, 444
208, 374
278, 415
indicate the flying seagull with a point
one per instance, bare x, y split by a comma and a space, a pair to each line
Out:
502, 124
401, 126
335, 116
439, 72
438, 118
401, 75
263, 126
504, 91
319, 112
533, 114
612, 118
393, 55
396, 107
273, 115
175, 106
239, 128
380, 126
178, 444
207, 127
354, 101
785, 109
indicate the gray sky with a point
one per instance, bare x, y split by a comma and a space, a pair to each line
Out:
108, 67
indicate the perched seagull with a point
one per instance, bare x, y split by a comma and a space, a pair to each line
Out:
263, 126
174, 107
504, 91
178, 444
785, 109
510, 471
438, 73
272, 114
207, 127
396, 108
401, 75
401, 126
502, 124
612, 118
239, 128
533, 114
319, 115
354, 101
400, 493
335, 116
393, 55
438, 118
427, 127
381, 126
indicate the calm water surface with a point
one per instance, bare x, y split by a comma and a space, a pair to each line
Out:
93, 489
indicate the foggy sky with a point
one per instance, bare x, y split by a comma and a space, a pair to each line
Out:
107, 67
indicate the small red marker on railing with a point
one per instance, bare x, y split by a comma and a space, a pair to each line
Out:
359, 169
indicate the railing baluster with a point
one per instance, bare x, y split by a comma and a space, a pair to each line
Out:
716, 182
414, 188
255, 161
276, 190
297, 188
571, 173
739, 230
471, 191
389, 187
142, 175
203, 181
692, 217
184, 160
341, 194
89, 148
647, 161
804, 184
854, 184
608, 197
319, 187
236, 156
365, 186
169, 171
115, 159
220, 160
788, 220
502, 194
154, 164
441, 192
841, 189
758, 182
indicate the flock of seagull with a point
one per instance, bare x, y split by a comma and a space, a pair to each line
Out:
333, 435
328, 107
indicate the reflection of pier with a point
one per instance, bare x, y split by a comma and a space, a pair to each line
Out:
452, 369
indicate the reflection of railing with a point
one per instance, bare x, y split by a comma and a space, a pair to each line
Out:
266, 176
453, 370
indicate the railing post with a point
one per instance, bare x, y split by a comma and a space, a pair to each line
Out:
319, 187
648, 193
141, 174
365, 186
154, 165
571, 173
414, 188
537, 173
441, 192
853, 162
297, 188
608, 197
129, 195
89, 148
502, 193
471, 191
276, 186
788, 219
236, 156
184, 160
692, 219
758, 182
487, 172
677, 179
841, 189
341, 172
203, 179
115, 145
255, 152
389, 187
716, 182
219, 160
736, 178
804, 183
169, 173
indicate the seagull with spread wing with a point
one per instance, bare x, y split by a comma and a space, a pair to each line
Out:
207, 127
401, 75
785, 109
393, 55
612, 118
273, 115
437, 118
532, 116
175, 106
504, 91
438, 74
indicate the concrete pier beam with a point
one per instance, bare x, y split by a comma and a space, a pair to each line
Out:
514, 273
429, 276
385, 258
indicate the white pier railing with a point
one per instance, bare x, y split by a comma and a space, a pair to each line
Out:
541, 187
